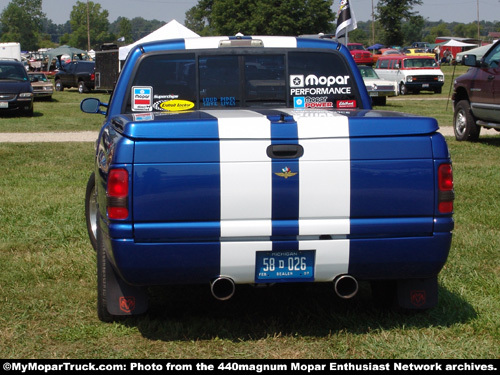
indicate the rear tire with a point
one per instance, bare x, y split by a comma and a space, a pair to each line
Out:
59, 86
82, 88
403, 90
91, 210
464, 123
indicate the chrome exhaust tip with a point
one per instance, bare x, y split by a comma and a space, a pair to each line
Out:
222, 288
346, 286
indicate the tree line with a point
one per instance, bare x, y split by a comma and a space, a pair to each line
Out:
23, 21
395, 23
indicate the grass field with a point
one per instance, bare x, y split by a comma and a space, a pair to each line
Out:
48, 281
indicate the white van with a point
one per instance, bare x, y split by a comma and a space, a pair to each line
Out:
413, 73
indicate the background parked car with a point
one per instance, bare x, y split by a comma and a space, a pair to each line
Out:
42, 87
385, 52
360, 54
16, 93
413, 73
418, 52
378, 89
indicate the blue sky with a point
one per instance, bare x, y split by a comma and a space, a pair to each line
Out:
165, 10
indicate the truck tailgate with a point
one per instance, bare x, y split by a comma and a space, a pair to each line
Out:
231, 175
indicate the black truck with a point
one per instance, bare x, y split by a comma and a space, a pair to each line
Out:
78, 73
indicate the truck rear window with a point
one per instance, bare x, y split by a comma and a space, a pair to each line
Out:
294, 79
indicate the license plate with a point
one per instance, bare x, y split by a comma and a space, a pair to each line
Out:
425, 85
4, 104
274, 266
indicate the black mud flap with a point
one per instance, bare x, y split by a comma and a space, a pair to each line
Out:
122, 298
418, 294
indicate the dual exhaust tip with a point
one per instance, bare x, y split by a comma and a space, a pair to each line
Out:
223, 287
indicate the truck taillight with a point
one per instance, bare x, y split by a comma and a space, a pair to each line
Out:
446, 194
117, 194
92, 77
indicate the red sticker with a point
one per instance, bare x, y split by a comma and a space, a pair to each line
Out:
346, 103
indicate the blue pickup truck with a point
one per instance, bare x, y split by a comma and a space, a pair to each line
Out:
259, 160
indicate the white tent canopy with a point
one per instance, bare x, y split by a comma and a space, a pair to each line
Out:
456, 43
171, 30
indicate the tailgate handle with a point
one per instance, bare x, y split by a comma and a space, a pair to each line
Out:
285, 151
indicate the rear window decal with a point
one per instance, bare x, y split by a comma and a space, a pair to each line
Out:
223, 101
148, 116
142, 98
346, 103
174, 105
311, 102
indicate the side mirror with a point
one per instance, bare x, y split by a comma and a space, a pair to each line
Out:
92, 105
469, 60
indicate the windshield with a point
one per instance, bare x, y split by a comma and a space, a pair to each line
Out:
420, 63
493, 58
367, 72
222, 80
353, 47
38, 77
13, 72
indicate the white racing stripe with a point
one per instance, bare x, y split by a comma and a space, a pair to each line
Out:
245, 171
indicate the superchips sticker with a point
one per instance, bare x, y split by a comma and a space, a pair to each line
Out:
142, 98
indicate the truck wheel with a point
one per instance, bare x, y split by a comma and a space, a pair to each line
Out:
91, 210
59, 86
464, 123
82, 88
403, 90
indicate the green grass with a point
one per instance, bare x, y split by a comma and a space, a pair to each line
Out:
48, 283
61, 114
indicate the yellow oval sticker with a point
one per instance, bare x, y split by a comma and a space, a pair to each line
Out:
176, 105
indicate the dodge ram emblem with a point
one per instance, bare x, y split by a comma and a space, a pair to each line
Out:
127, 304
418, 298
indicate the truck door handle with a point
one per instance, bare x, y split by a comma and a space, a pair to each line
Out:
285, 151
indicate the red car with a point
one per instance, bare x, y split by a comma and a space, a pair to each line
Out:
360, 54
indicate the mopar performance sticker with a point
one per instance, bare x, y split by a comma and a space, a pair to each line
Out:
142, 98
174, 105
314, 85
